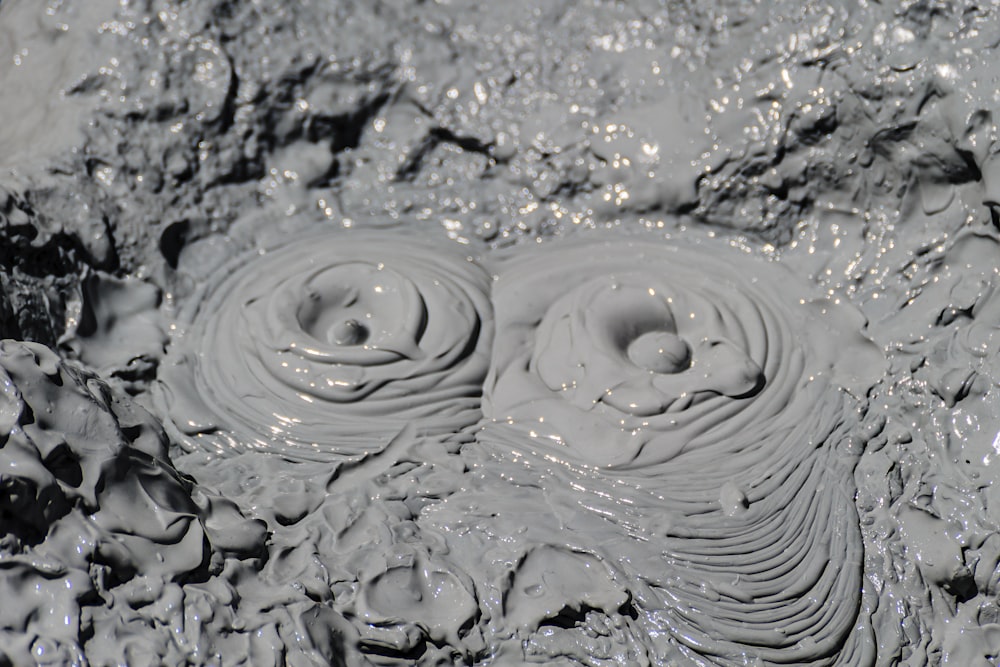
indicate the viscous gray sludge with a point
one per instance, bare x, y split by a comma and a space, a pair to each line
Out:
98, 524
700, 394
704, 403
328, 346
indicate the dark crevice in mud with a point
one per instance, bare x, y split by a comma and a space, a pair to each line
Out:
65, 466
410, 169
172, 241
27, 512
9, 325
414, 164
411, 655
345, 130
466, 143
227, 116
970, 171
569, 189
629, 609
567, 618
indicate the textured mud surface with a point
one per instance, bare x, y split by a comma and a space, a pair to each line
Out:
451, 333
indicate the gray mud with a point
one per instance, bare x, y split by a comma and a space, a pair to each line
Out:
388, 333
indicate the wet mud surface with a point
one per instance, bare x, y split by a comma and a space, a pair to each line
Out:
445, 333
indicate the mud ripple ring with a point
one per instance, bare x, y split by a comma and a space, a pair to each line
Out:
700, 394
325, 347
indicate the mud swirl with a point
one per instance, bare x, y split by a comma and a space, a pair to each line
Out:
326, 347
697, 399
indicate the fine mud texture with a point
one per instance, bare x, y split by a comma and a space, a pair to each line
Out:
450, 333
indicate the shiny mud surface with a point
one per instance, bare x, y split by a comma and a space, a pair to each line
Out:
442, 333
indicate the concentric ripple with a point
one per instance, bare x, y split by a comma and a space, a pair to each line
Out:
326, 347
628, 355
697, 399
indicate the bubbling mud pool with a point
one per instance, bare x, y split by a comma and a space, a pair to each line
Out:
318, 349
700, 410
703, 394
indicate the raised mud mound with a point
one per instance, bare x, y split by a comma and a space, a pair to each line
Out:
105, 543
323, 347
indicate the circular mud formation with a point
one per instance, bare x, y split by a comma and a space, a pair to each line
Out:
704, 394
322, 348
632, 355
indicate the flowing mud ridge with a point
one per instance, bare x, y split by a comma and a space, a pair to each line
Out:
446, 333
